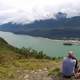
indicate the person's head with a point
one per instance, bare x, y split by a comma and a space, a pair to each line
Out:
71, 54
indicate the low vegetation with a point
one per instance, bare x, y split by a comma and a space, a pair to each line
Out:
13, 61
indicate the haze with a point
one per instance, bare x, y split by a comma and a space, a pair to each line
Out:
27, 11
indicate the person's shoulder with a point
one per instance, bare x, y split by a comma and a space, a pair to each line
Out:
64, 59
73, 60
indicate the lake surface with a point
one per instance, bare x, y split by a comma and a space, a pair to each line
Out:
48, 46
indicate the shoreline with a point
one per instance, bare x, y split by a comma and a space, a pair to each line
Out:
38, 36
49, 49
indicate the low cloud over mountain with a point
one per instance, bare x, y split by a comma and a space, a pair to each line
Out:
27, 11
58, 28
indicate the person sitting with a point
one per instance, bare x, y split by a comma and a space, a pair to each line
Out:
68, 65
76, 65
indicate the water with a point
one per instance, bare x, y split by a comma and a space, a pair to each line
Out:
48, 46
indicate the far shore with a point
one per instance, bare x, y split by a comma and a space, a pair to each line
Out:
49, 37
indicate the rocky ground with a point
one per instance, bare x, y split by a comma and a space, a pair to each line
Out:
32, 75
37, 75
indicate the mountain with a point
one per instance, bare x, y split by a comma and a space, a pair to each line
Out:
51, 28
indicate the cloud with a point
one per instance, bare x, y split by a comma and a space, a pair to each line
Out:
26, 11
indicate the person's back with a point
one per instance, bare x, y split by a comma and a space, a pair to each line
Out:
68, 66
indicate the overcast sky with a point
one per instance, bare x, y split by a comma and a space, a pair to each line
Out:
26, 11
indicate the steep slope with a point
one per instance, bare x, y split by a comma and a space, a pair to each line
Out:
7, 53
14, 66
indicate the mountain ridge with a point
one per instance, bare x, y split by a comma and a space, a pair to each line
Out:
52, 28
